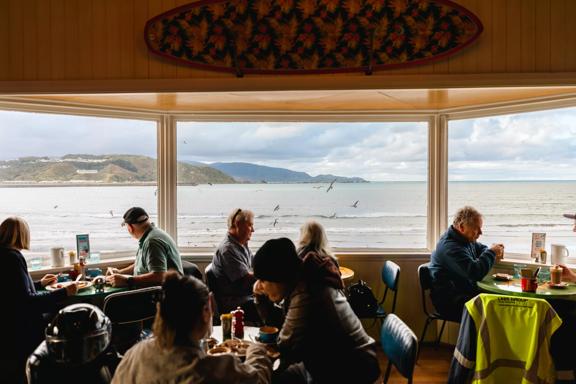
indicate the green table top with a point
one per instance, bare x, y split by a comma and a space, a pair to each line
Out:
88, 292
513, 288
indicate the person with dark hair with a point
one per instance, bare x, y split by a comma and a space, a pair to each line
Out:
319, 331
25, 304
175, 354
459, 262
232, 266
157, 253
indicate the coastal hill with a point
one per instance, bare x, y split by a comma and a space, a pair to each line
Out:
105, 169
130, 169
252, 173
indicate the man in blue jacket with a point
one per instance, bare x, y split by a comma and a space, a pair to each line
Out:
459, 261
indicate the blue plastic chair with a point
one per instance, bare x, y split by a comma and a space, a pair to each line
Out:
400, 346
390, 275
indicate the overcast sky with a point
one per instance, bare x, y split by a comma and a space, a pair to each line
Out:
530, 146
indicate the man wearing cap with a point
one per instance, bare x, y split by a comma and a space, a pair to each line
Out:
232, 266
157, 253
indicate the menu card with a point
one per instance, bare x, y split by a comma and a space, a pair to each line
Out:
538, 244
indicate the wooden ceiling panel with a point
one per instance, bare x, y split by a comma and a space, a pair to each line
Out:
412, 100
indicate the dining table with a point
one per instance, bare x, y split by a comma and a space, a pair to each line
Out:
513, 288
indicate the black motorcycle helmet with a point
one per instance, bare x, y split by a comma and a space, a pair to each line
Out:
78, 334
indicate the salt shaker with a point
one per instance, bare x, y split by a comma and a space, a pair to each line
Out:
238, 323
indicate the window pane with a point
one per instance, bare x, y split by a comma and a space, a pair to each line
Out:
377, 201
519, 171
67, 175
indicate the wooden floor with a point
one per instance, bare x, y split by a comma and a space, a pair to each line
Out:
431, 368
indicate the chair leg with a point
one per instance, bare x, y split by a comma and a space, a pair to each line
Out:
428, 320
440, 334
387, 374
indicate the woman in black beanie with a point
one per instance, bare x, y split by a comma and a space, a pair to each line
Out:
320, 333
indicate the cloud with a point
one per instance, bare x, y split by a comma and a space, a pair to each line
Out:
35, 134
528, 146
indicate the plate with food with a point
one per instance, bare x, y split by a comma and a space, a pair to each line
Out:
81, 285
560, 285
502, 277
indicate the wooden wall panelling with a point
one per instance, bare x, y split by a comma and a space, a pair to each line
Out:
4, 39
483, 46
141, 55
570, 35
57, 41
114, 30
542, 46
84, 39
30, 39
528, 35
558, 29
73, 42
16, 42
43, 30
99, 40
498, 36
514, 35
126, 38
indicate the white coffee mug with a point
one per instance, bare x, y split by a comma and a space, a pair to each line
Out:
57, 254
559, 254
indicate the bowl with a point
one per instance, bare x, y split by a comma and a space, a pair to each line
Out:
268, 334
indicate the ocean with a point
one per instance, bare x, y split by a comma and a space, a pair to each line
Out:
386, 215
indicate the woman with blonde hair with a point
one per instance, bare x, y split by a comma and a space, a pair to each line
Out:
175, 353
24, 306
313, 239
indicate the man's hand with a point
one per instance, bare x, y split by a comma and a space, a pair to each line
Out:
111, 271
257, 288
71, 289
498, 249
567, 274
117, 280
48, 279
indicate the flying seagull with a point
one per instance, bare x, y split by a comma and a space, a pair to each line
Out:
185, 142
277, 208
56, 206
355, 205
275, 222
111, 213
331, 186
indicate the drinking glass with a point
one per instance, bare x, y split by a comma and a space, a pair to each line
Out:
517, 268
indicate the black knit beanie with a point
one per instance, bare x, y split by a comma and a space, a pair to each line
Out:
277, 261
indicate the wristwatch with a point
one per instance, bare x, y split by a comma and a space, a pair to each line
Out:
130, 282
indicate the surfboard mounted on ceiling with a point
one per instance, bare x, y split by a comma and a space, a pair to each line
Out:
310, 36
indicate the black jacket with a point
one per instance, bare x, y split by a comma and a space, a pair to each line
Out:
22, 322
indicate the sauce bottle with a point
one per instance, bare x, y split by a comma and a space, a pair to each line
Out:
238, 323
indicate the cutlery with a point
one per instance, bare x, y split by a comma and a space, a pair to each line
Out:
78, 278
537, 272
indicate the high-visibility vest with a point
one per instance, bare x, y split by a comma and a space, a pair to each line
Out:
513, 338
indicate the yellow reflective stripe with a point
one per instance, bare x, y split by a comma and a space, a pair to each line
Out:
532, 373
463, 361
500, 363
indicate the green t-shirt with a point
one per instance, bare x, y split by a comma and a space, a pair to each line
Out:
157, 252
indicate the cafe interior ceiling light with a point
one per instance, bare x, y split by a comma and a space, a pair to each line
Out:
310, 36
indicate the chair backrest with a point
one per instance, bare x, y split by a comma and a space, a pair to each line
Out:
128, 311
390, 274
191, 269
399, 344
132, 306
425, 279
212, 283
